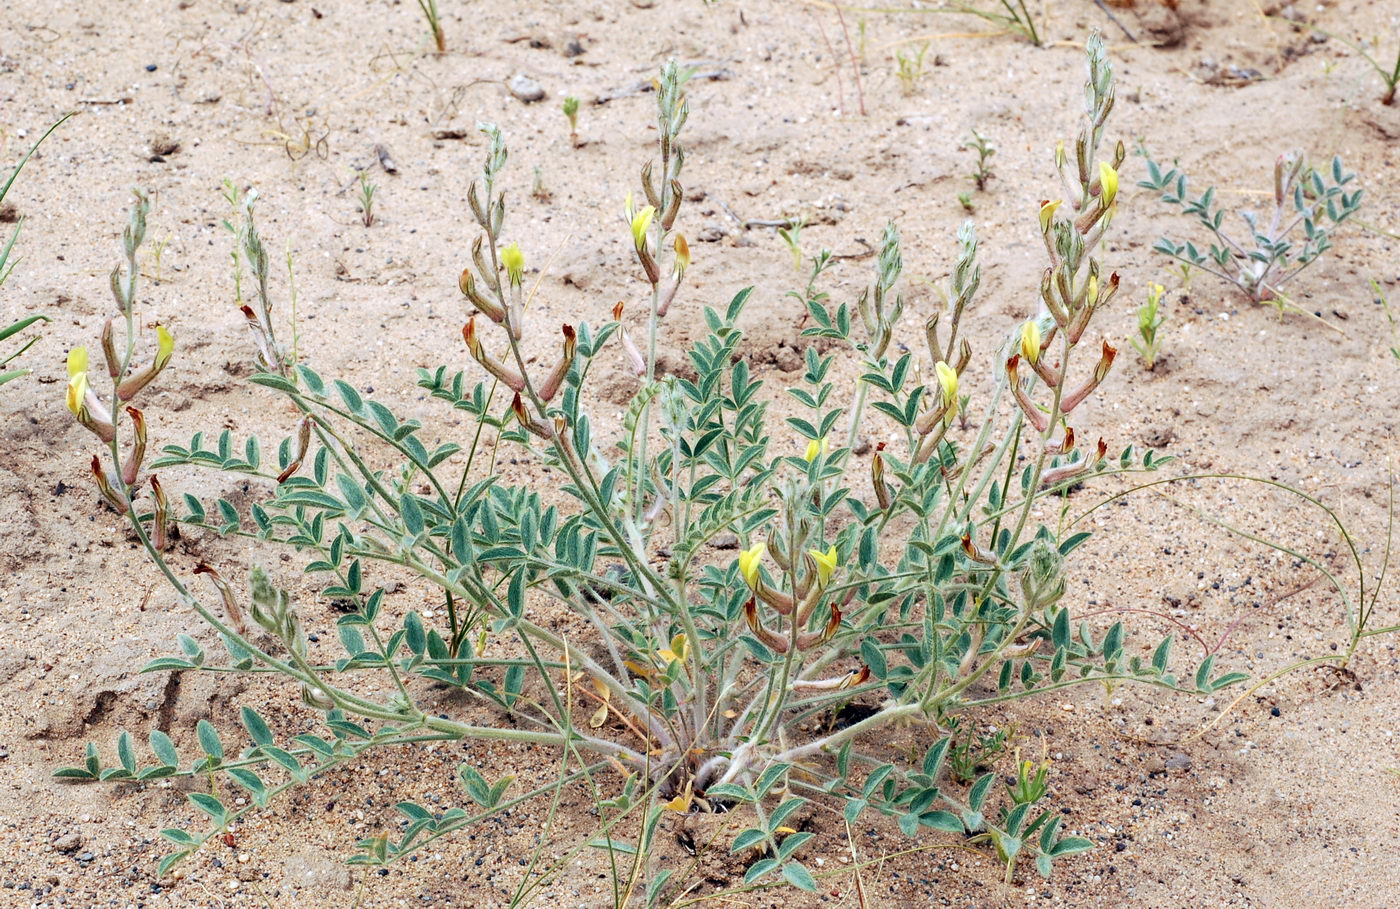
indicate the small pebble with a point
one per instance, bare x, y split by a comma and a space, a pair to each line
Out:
525, 89
150, 67
68, 842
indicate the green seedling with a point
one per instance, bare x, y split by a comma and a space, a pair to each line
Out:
365, 199
571, 112
791, 234
1148, 343
985, 151
909, 68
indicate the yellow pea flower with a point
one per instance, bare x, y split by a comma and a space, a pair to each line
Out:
514, 261
682, 255
681, 803
77, 379
165, 346
948, 382
641, 221
815, 448
1031, 340
749, 561
1047, 215
676, 652
77, 391
1108, 183
826, 564
77, 361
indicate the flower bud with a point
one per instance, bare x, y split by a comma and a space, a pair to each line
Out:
474, 200
556, 377
976, 552
818, 638
774, 641
231, 607
1034, 414
634, 354
1031, 340
1105, 362
1108, 184
160, 516
682, 261
514, 261
104, 486
668, 217
303, 442
132, 467
877, 478
165, 346
109, 350
506, 374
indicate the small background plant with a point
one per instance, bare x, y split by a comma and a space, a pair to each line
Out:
571, 113
18, 326
365, 199
909, 67
1387, 69
1148, 343
1269, 256
429, 9
985, 151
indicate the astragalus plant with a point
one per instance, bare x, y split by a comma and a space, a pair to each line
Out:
1271, 253
606, 617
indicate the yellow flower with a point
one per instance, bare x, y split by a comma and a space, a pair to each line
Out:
1108, 184
815, 448
1047, 215
1154, 294
676, 652
682, 802
749, 561
514, 261
1030, 340
641, 221
1093, 296
948, 382
77, 379
165, 346
77, 361
682, 255
77, 391
826, 564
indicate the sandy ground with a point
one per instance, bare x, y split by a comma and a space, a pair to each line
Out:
1289, 801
